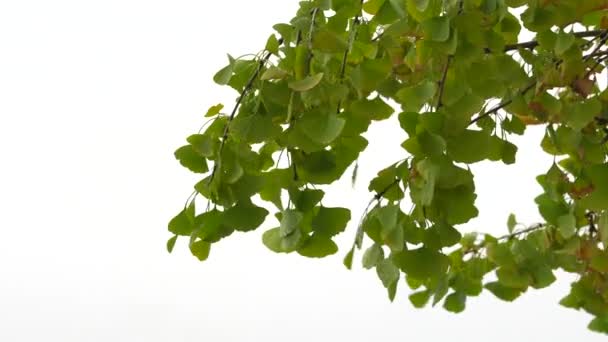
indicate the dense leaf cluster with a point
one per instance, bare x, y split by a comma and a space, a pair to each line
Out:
465, 84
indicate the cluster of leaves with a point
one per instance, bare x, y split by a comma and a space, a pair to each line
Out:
465, 84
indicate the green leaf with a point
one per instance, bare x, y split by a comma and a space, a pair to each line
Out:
387, 272
318, 247
413, 97
274, 73
420, 299
455, 302
505, 293
563, 43
330, 221
306, 83
214, 110
328, 41
599, 324
469, 147
290, 222
254, 128
385, 183
421, 5
245, 216
581, 113
171, 243
348, 259
375, 109
432, 145
387, 216
190, 159
437, 29
567, 225
512, 277
272, 239
202, 144
422, 263
210, 227
514, 125
429, 172
511, 222
223, 76
448, 235
443, 285
373, 256
230, 168
321, 128
272, 44
598, 199
183, 223
368, 75
200, 249
307, 199
373, 6
599, 262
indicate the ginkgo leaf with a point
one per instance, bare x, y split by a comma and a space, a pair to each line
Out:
318, 247
306, 83
437, 29
321, 128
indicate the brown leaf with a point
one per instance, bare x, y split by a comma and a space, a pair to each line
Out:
583, 87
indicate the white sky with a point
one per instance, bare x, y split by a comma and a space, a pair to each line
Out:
94, 98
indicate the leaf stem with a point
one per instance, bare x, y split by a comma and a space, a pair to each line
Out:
442, 81
351, 40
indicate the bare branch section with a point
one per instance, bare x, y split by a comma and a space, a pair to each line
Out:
523, 231
534, 43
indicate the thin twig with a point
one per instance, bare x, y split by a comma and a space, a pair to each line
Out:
379, 195
442, 82
523, 231
534, 43
503, 104
596, 54
310, 35
351, 40
598, 62
244, 92
604, 37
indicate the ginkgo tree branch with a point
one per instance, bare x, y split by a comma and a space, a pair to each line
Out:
604, 38
444, 76
442, 192
503, 104
244, 92
534, 43
530, 229
351, 40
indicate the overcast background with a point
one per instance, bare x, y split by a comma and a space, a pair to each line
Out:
94, 98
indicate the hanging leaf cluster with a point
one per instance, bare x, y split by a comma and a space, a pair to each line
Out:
465, 84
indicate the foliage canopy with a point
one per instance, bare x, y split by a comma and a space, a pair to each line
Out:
465, 84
